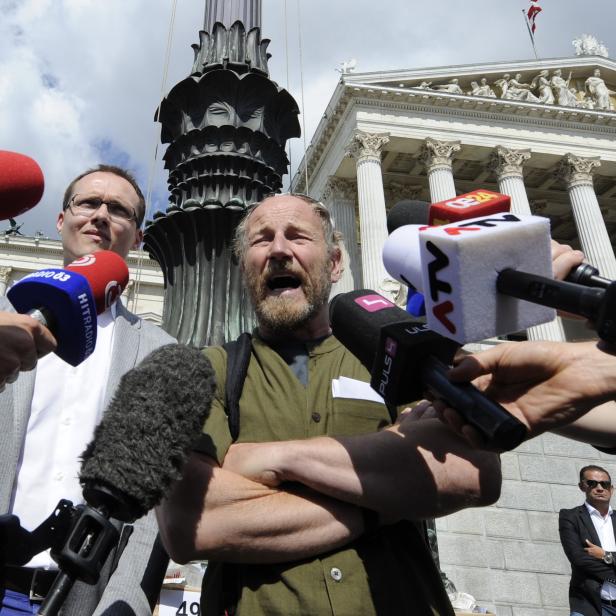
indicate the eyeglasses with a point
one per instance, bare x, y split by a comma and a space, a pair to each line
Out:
83, 205
592, 483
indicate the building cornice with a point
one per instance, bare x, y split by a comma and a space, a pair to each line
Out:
461, 70
479, 107
347, 96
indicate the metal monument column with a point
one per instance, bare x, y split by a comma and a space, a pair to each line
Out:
227, 125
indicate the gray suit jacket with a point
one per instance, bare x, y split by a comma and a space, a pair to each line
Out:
142, 562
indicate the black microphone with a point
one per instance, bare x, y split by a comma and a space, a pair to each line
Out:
407, 212
137, 453
598, 304
588, 275
405, 358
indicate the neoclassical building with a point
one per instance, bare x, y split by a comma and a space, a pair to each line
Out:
543, 132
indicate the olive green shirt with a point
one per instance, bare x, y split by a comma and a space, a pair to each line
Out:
386, 571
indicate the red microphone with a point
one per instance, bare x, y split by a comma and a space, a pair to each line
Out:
469, 205
21, 184
107, 274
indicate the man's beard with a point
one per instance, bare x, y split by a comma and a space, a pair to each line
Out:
281, 314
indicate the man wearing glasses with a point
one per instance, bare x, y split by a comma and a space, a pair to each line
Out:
48, 415
587, 536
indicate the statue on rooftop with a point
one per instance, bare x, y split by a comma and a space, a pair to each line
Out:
14, 229
513, 89
541, 83
482, 89
562, 90
598, 92
588, 45
452, 87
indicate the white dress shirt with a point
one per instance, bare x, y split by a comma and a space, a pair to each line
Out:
605, 530
67, 405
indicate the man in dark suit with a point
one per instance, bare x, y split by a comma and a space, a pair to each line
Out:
587, 535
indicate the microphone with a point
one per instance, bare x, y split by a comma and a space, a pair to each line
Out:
66, 301
21, 184
137, 453
588, 275
106, 273
405, 357
407, 212
469, 273
456, 267
469, 205
473, 205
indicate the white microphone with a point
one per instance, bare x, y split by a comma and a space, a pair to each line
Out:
457, 266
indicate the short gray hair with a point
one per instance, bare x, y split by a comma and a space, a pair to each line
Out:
332, 237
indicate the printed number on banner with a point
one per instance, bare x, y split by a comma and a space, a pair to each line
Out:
187, 609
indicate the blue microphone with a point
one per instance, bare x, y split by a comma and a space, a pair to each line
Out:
63, 302
415, 303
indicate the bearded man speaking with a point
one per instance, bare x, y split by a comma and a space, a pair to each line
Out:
310, 505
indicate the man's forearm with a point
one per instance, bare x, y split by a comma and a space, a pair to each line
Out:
216, 514
412, 472
597, 427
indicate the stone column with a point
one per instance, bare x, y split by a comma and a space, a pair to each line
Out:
340, 196
5, 277
437, 157
576, 173
365, 148
507, 166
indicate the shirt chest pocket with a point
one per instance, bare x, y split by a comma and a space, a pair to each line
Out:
352, 416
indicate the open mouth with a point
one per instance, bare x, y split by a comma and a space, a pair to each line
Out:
286, 281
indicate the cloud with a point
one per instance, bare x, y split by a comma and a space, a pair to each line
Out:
80, 79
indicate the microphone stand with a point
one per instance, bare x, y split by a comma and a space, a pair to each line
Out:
81, 556
80, 539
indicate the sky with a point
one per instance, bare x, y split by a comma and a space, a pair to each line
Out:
80, 79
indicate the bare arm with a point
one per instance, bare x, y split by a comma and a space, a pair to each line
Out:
597, 427
218, 514
546, 385
412, 470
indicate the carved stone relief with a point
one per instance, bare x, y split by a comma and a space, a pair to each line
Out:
557, 88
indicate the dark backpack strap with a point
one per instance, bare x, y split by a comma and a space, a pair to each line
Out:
238, 358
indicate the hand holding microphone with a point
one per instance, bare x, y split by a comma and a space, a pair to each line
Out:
547, 385
405, 359
23, 340
475, 273
566, 263
66, 301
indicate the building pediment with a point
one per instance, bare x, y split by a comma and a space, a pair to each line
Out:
586, 82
